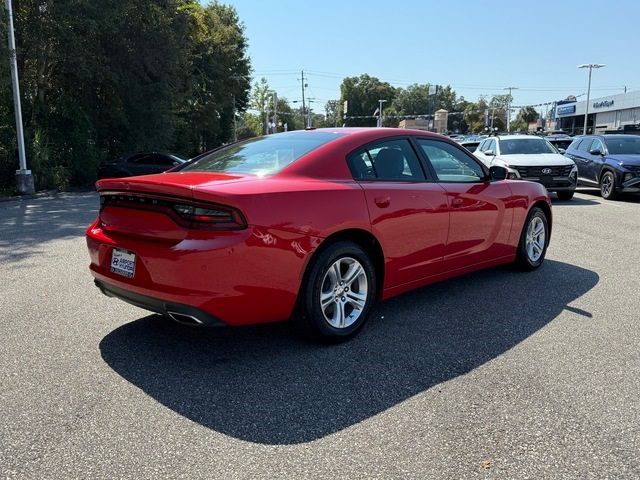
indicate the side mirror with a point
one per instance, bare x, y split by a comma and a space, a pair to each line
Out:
497, 173
562, 150
489, 153
596, 151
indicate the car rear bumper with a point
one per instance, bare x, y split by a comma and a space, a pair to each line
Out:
181, 313
238, 278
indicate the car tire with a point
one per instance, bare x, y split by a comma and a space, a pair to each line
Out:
608, 185
565, 195
532, 247
337, 294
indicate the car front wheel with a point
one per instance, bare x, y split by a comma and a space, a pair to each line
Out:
608, 186
534, 240
338, 293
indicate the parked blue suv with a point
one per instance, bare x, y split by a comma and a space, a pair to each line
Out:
611, 162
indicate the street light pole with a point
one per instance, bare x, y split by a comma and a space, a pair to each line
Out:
509, 107
275, 112
24, 179
380, 112
590, 66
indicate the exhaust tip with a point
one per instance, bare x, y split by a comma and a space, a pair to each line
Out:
185, 319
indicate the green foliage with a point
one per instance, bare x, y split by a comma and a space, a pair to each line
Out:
363, 93
248, 126
102, 78
528, 114
332, 113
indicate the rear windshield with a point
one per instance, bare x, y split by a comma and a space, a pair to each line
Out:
525, 146
263, 155
625, 145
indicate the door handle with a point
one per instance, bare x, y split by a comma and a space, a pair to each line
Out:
457, 202
382, 202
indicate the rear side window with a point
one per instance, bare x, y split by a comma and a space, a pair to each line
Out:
263, 155
392, 160
575, 144
142, 159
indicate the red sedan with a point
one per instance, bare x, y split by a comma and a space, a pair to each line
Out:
310, 225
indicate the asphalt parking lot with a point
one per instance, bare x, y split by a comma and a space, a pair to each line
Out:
498, 374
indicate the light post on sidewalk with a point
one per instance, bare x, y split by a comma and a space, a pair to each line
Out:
24, 179
510, 99
590, 66
380, 112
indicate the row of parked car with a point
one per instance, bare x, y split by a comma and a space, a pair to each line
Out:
561, 163
610, 162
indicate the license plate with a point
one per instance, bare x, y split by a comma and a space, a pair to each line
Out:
123, 262
546, 180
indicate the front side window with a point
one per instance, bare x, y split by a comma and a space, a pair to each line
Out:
263, 155
525, 146
393, 160
623, 145
585, 146
450, 164
597, 144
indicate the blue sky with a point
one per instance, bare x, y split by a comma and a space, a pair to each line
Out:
476, 47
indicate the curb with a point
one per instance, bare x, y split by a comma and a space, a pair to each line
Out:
47, 193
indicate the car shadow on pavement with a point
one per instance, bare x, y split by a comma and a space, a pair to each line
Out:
575, 201
261, 384
595, 193
25, 225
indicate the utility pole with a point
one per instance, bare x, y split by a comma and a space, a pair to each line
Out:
509, 107
24, 179
304, 117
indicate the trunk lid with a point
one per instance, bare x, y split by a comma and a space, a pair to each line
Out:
144, 206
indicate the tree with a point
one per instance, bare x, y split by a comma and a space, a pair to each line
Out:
332, 113
528, 114
99, 79
362, 94
413, 100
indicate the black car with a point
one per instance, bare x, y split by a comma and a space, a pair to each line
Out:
561, 142
471, 145
611, 162
143, 163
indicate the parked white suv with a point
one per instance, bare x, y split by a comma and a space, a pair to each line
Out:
531, 158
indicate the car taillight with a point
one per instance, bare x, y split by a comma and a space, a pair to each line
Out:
210, 217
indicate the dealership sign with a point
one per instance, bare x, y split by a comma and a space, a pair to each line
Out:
566, 110
603, 104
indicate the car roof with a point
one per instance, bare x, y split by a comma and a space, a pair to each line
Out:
377, 131
516, 137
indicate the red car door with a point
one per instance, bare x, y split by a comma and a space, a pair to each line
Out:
409, 215
480, 213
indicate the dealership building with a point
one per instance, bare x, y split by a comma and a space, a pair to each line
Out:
612, 112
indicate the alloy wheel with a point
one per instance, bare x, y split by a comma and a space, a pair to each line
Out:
343, 296
607, 185
535, 239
